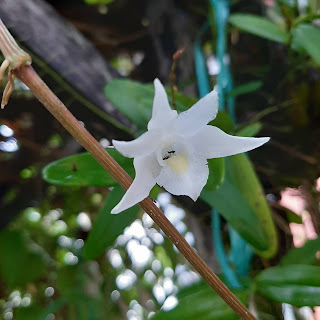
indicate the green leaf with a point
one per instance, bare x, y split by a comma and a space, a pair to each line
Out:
259, 26
107, 226
245, 88
293, 217
250, 130
94, 2
303, 255
247, 182
216, 173
234, 208
38, 312
154, 192
83, 170
18, 263
223, 121
183, 102
52, 307
266, 309
298, 285
170, 251
241, 201
71, 285
162, 255
133, 99
307, 37
30, 313
202, 303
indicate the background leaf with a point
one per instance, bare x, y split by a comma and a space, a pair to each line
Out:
247, 182
216, 173
18, 263
298, 285
250, 130
303, 255
97, 2
235, 209
107, 226
223, 121
245, 88
241, 201
307, 37
293, 217
259, 26
83, 170
29, 313
132, 98
71, 285
200, 302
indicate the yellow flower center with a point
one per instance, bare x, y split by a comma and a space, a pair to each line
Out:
178, 163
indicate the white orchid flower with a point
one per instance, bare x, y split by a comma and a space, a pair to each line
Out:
173, 152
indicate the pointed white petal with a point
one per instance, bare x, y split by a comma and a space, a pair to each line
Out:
161, 111
200, 114
214, 143
187, 178
143, 145
147, 171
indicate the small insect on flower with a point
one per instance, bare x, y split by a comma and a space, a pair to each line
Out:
173, 152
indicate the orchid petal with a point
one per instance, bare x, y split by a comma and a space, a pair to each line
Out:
212, 142
141, 146
200, 114
189, 183
161, 110
147, 171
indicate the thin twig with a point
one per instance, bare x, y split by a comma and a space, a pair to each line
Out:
30, 78
287, 16
294, 152
172, 76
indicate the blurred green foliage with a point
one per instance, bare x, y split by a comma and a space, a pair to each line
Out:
107, 226
298, 285
93, 2
20, 264
199, 301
